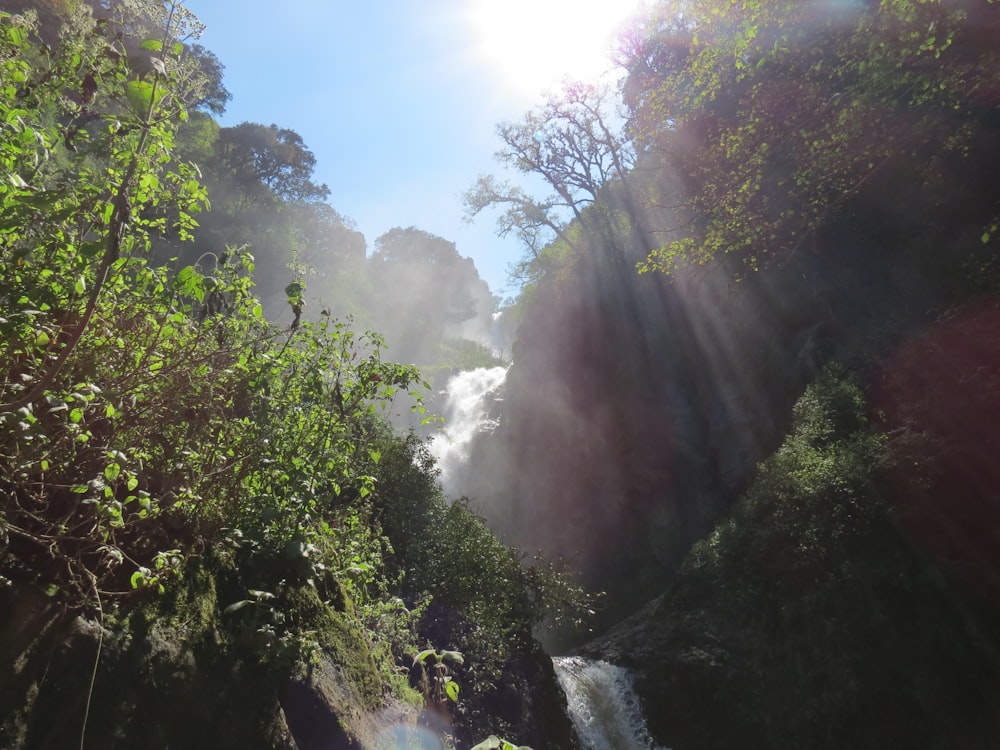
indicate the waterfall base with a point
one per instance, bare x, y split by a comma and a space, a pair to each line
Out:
603, 705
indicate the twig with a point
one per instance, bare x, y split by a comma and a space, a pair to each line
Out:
97, 659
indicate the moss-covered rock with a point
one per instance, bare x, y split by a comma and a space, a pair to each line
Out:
179, 671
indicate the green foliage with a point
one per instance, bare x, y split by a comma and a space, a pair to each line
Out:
775, 115
496, 743
818, 609
811, 502
436, 679
88, 181
445, 549
148, 414
268, 164
153, 421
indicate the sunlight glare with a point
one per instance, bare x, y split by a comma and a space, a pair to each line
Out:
534, 44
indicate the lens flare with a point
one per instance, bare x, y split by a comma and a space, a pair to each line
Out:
407, 737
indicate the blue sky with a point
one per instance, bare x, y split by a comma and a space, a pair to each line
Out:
398, 99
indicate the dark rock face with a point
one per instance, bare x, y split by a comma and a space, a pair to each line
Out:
145, 694
530, 700
684, 668
635, 411
709, 682
942, 387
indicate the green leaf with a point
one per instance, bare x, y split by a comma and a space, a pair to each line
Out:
140, 95
236, 606
424, 656
188, 279
153, 45
451, 689
112, 472
294, 292
92, 249
453, 656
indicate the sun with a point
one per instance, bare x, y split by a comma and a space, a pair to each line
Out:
534, 44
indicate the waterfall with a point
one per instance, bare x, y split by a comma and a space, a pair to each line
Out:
468, 398
603, 705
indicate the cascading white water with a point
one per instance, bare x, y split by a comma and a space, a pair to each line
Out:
603, 705
468, 396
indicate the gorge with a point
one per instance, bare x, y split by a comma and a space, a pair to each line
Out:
735, 468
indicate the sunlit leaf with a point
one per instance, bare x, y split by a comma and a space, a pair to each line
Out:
424, 656
140, 95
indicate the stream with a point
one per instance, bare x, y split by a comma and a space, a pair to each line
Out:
602, 704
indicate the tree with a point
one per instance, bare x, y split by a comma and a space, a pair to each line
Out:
264, 198
268, 163
215, 95
423, 291
88, 180
777, 115
574, 145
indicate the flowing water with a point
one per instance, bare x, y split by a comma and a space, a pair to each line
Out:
468, 398
603, 705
